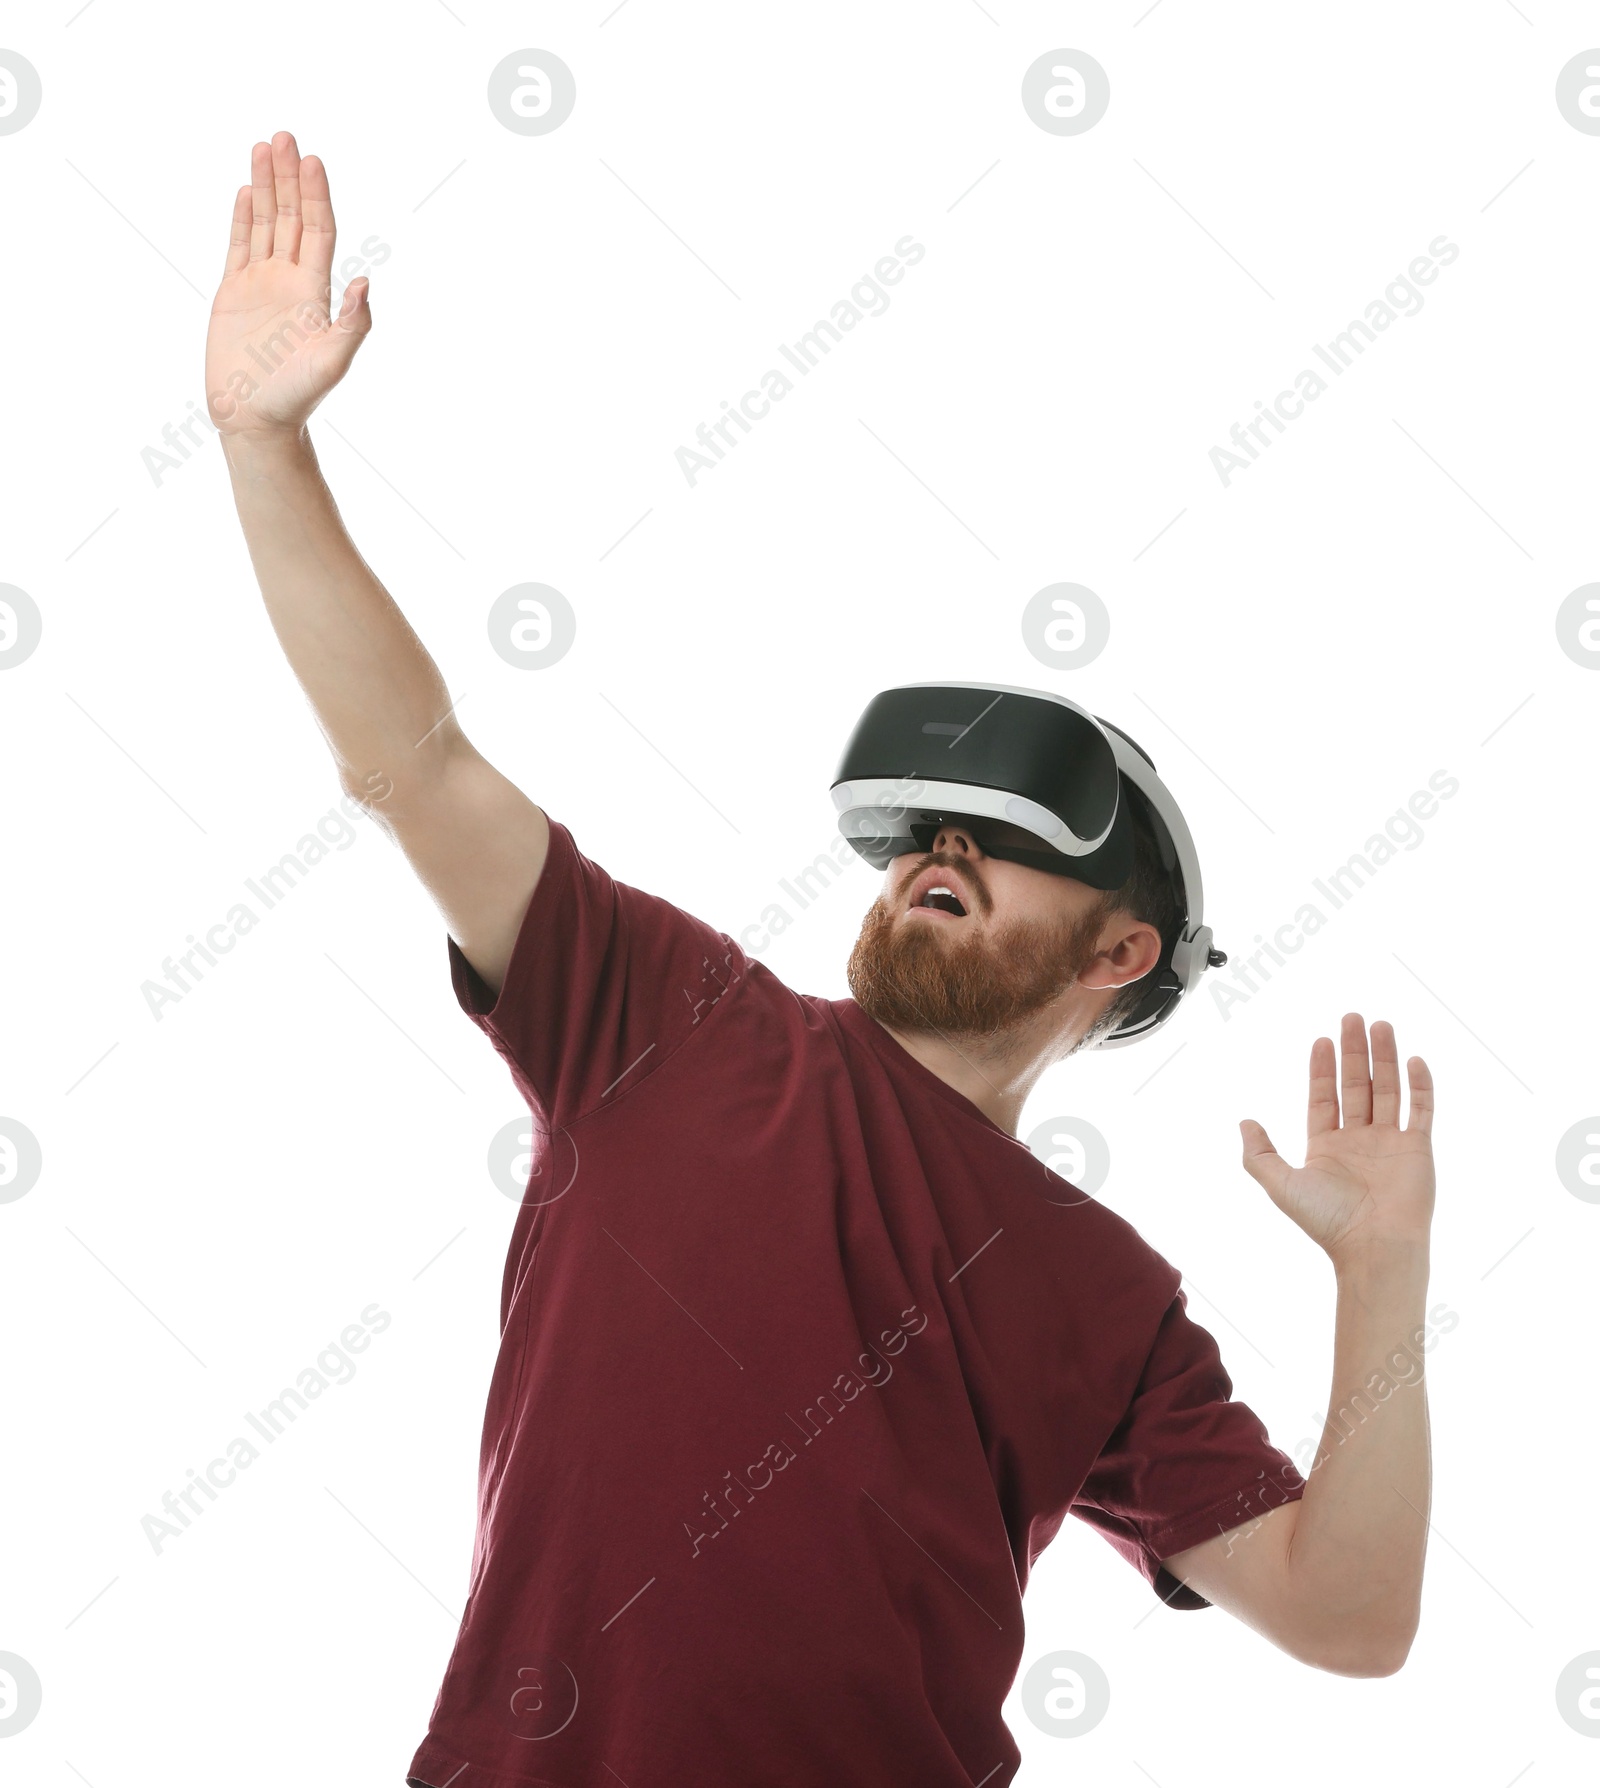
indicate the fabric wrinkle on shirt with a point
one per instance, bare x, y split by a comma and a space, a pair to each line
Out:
803, 1363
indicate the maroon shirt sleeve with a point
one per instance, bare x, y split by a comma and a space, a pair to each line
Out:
1186, 1463
604, 983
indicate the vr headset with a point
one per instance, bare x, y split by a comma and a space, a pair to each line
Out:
991, 757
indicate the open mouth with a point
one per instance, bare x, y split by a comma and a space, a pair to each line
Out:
937, 891
942, 900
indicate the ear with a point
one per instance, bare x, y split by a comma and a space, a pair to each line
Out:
1129, 949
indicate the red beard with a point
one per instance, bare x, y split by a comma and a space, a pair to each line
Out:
970, 987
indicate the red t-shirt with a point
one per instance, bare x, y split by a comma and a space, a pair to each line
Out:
803, 1362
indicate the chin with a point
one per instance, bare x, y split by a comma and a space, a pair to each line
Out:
973, 984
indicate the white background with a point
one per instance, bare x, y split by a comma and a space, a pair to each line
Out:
304, 1134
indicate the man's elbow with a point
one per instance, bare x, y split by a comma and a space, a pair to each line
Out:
1386, 1659
1361, 1653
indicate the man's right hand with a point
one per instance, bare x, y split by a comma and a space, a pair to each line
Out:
272, 350
476, 842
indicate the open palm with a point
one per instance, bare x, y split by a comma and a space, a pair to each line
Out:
272, 350
1365, 1180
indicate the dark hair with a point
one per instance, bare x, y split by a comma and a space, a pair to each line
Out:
1150, 893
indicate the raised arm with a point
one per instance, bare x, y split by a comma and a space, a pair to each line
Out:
273, 352
1335, 1579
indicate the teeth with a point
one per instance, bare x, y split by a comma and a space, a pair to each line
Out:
948, 893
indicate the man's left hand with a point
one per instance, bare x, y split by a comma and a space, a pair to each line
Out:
1367, 1185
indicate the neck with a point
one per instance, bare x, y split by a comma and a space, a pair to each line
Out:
996, 1072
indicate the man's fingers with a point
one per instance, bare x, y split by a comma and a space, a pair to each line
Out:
239, 237
1322, 1100
1421, 1119
1385, 1074
1356, 1082
286, 189
1262, 1161
355, 315
263, 202
316, 208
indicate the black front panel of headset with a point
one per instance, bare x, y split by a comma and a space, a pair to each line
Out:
1023, 744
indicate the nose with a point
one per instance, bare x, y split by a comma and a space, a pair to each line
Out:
957, 840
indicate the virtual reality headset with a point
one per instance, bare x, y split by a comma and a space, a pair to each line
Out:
997, 760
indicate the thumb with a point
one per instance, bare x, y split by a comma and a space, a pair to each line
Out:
1262, 1161
355, 313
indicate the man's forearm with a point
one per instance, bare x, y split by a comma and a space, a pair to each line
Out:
1360, 1536
377, 695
